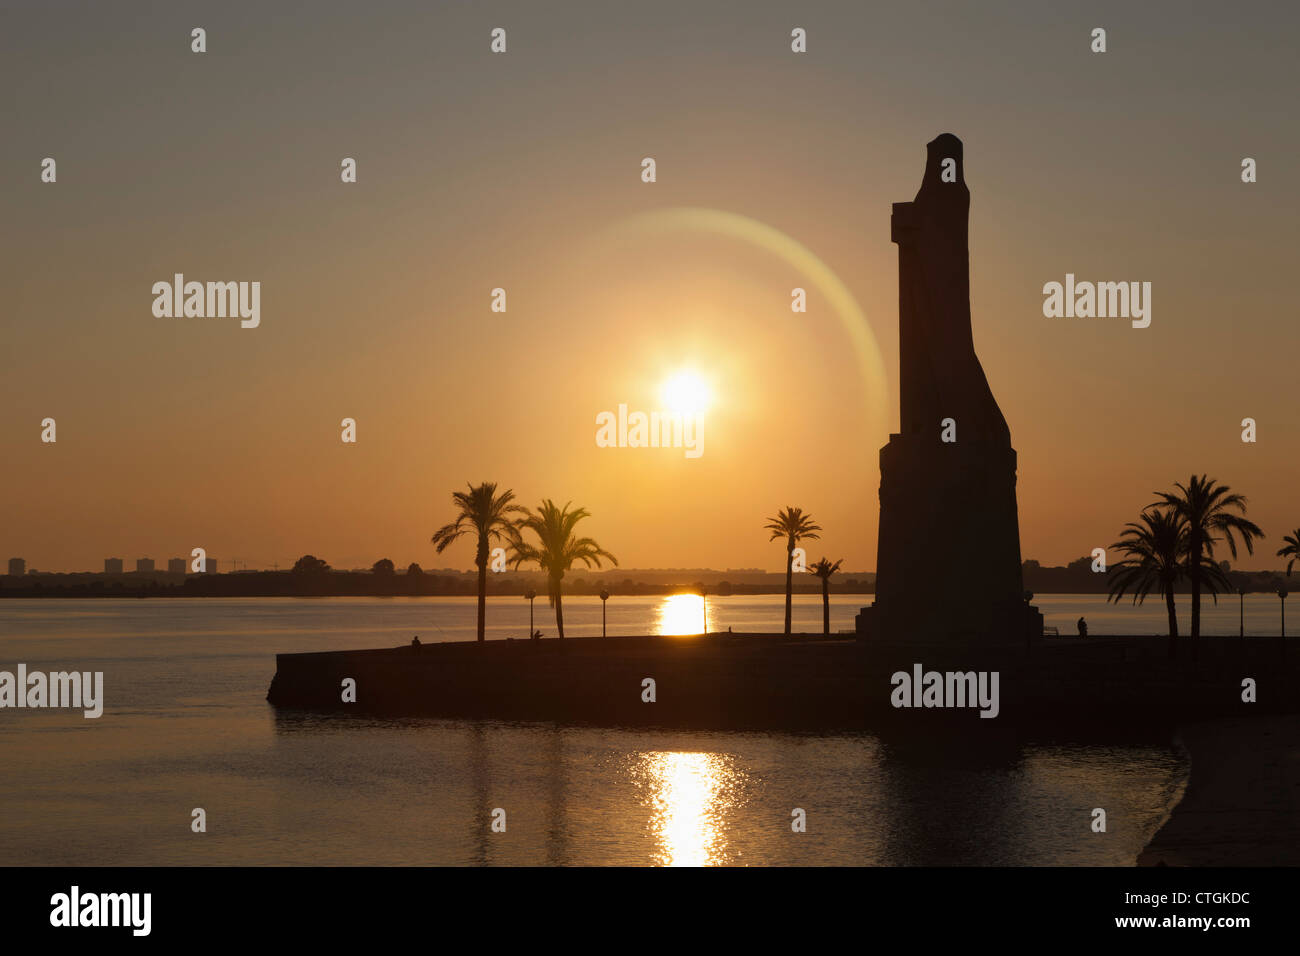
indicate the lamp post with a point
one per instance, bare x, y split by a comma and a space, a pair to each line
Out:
704, 598
604, 596
530, 594
1241, 599
1281, 593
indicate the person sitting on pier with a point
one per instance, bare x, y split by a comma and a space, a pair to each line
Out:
415, 643
1083, 627
537, 635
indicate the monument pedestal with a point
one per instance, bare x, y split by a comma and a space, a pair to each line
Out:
948, 558
1008, 624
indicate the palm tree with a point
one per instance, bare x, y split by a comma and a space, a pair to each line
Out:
486, 514
1292, 549
1156, 549
824, 569
1205, 505
556, 548
794, 526
1153, 549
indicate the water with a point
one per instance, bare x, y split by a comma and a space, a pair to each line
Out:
186, 725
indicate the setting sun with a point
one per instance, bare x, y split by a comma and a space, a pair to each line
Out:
686, 392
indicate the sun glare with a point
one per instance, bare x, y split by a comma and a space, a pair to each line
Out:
686, 392
681, 614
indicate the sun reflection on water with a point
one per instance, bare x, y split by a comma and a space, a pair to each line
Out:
690, 795
680, 614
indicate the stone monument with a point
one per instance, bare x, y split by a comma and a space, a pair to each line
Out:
948, 560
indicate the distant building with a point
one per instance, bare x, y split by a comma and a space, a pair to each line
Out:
17, 567
112, 565
144, 565
176, 566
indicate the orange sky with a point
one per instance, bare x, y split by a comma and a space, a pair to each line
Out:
523, 171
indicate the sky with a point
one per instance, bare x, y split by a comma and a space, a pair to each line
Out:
522, 171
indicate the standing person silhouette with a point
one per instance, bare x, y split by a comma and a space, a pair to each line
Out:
1083, 627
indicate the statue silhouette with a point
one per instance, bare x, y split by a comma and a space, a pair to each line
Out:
948, 477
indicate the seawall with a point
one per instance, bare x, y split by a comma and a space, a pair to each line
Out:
809, 683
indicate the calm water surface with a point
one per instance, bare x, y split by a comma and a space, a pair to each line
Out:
186, 725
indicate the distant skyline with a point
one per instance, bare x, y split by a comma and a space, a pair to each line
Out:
225, 565
236, 564
522, 171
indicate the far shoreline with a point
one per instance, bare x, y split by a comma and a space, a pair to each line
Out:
145, 593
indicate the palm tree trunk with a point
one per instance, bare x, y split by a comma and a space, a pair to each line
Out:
826, 605
559, 609
482, 593
1173, 618
789, 583
1195, 569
